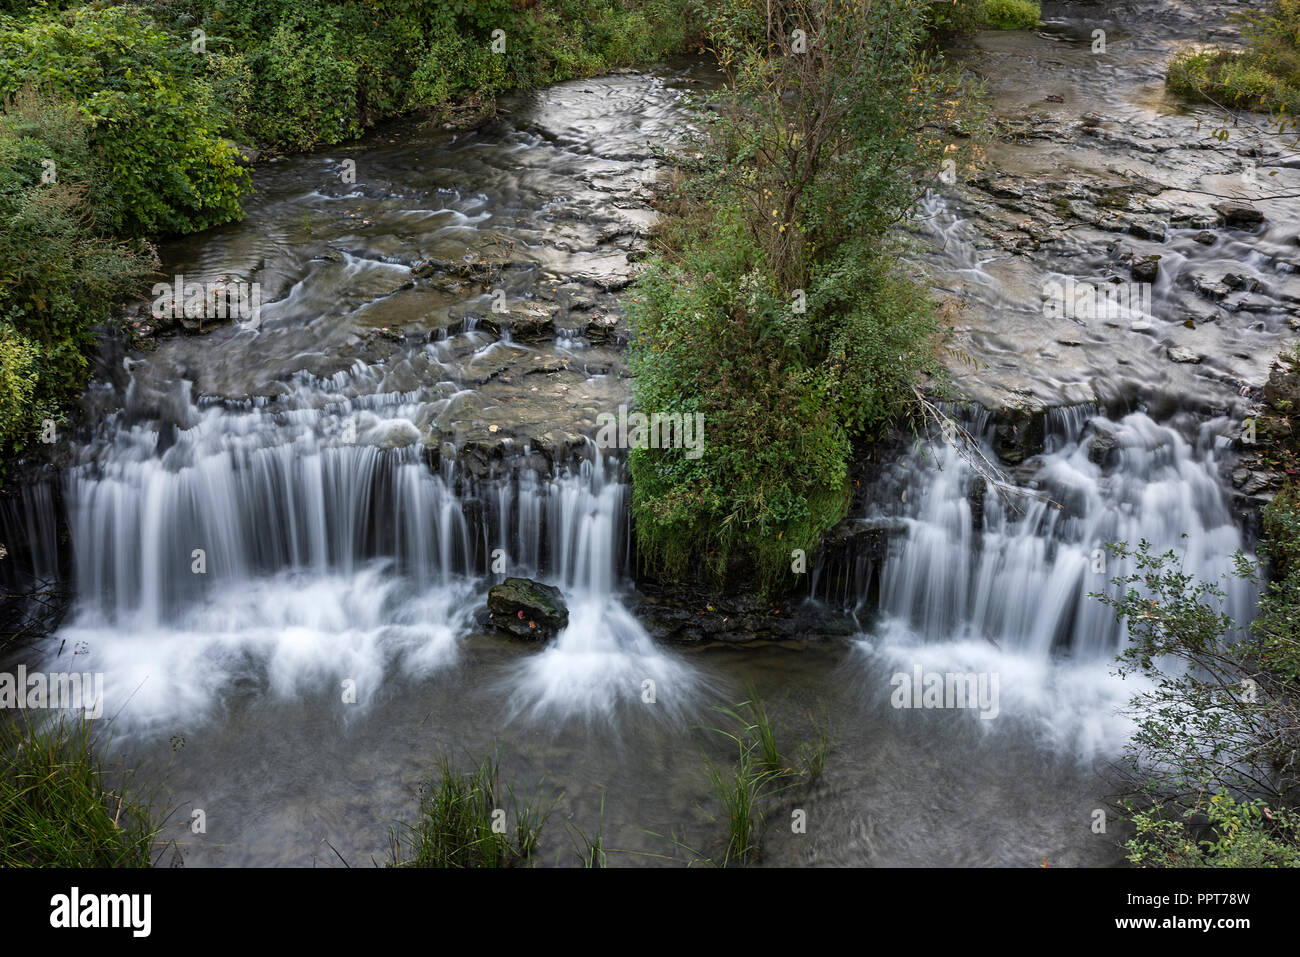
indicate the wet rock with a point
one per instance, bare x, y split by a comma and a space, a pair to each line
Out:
1145, 269
1236, 213
526, 322
1205, 237
1179, 354
527, 609
1237, 281
423, 268
1005, 188
476, 458
601, 329
1209, 288
1102, 447
1193, 219
690, 614
1151, 229
1249, 481
448, 284
1019, 435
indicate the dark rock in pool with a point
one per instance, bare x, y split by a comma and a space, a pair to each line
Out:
527, 609
1236, 213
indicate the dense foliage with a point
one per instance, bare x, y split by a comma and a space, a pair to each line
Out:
1213, 777
59, 275
778, 309
1265, 75
294, 74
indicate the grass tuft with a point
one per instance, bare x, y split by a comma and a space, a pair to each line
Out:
61, 807
469, 820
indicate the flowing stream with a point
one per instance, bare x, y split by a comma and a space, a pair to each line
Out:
281, 537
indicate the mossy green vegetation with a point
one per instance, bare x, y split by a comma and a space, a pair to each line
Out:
61, 806
60, 272
1264, 76
778, 308
986, 14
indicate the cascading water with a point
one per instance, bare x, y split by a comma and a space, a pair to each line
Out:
270, 542
604, 659
977, 584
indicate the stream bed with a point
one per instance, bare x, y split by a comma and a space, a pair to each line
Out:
350, 468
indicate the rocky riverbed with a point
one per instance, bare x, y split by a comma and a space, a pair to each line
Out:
418, 400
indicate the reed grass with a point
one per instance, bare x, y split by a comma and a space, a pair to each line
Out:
469, 819
61, 806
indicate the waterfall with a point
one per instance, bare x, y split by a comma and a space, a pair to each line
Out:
287, 545
604, 661
977, 584
1020, 573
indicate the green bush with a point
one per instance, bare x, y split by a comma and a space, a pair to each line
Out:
458, 66
1264, 76
314, 72
779, 311
1278, 623
1012, 14
20, 360
59, 277
1240, 834
773, 475
963, 15
156, 120
306, 91
1217, 724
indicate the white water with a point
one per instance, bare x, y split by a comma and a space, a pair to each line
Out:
1011, 595
604, 660
325, 560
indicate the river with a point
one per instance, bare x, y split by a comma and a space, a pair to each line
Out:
261, 519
